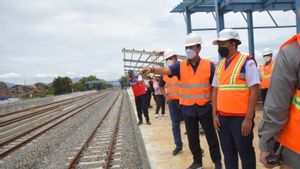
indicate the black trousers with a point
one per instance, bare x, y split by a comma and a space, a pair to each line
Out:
142, 107
263, 94
148, 97
192, 128
234, 144
160, 103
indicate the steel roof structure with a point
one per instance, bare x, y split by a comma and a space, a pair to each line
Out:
220, 7
138, 59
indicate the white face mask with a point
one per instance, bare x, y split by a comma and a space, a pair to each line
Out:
267, 58
170, 62
190, 54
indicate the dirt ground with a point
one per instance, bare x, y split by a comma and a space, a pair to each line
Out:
159, 143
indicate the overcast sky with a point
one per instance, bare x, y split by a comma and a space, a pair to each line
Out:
42, 39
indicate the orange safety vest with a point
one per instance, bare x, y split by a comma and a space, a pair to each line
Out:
290, 134
194, 87
265, 73
172, 87
233, 93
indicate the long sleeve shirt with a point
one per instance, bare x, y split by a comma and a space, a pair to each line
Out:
284, 82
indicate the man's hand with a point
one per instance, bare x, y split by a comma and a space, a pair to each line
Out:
216, 122
167, 100
246, 127
262, 159
145, 71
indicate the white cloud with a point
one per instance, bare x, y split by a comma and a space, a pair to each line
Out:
44, 39
9, 75
50, 75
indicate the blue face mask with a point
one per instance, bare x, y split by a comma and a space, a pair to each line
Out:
190, 54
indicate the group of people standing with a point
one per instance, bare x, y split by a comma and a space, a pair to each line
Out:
223, 99
143, 91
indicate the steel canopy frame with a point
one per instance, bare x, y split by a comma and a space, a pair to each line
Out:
138, 59
220, 7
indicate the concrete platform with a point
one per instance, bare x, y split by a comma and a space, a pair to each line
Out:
158, 140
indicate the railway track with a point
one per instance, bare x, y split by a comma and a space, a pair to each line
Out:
8, 118
102, 147
17, 133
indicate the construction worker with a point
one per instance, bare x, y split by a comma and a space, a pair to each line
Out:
170, 89
265, 72
236, 89
138, 88
195, 76
282, 108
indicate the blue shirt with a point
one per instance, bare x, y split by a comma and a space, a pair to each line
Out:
194, 110
137, 77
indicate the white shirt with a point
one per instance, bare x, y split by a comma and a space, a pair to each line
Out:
251, 74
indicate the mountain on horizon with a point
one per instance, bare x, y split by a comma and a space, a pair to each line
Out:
76, 79
9, 85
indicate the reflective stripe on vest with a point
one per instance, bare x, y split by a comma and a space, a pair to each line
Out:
171, 87
265, 73
233, 91
290, 136
194, 87
195, 96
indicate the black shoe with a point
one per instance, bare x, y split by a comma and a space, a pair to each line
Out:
177, 151
140, 122
218, 165
195, 165
148, 122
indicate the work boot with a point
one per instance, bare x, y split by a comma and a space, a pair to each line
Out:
148, 122
140, 123
177, 151
195, 165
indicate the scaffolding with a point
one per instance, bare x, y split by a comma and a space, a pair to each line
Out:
218, 8
136, 60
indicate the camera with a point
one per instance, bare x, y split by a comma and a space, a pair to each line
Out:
274, 159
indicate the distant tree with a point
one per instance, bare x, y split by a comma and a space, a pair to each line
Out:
124, 80
78, 86
89, 78
62, 85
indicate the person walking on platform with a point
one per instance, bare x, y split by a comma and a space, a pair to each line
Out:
159, 98
138, 88
170, 89
149, 91
195, 76
266, 72
282, 108
235, 93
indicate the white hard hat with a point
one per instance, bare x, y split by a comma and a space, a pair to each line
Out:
227, 34
169, 53
193, 39
267, 51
